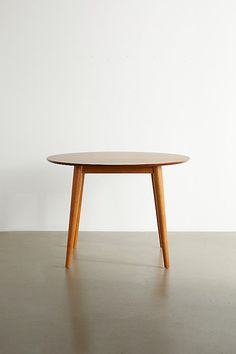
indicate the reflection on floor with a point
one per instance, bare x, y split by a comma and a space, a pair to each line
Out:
117, 297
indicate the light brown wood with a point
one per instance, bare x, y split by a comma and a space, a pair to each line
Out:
116, 162
159, 190
74, 211
79, 212
121, 158
117, 169
156, 208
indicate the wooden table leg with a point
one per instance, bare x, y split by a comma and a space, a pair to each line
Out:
158, 182
156, 207
79, 212
74, 210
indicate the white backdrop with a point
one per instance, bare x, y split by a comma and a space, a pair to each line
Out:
138, 75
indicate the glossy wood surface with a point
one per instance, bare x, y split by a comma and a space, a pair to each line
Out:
118, 159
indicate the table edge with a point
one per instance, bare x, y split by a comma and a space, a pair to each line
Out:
119, 165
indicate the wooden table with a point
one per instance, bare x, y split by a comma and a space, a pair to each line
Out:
117, 162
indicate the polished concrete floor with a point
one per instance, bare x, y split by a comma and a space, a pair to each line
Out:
117, 298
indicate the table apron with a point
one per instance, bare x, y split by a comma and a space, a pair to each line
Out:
117, 169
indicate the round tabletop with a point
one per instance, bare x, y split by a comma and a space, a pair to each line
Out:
118, 158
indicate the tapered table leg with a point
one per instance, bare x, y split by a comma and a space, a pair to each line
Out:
79, 212
74, 209
158, 182
155, 200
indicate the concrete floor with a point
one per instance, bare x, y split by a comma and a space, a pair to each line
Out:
117, 298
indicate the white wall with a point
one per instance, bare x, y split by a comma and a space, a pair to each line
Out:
139, 75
